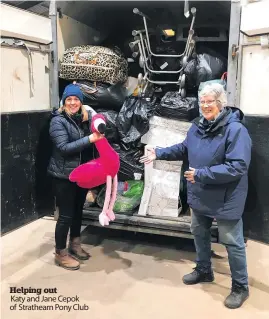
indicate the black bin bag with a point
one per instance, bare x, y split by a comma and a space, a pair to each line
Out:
133, 119
129, 164
111, 133
203, 68
102, 95
174, 106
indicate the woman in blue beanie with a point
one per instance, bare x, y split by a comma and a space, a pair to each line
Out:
72, 146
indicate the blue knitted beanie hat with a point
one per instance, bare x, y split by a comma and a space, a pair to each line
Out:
72, 90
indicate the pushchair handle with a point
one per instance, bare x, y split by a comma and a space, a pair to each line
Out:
136, 11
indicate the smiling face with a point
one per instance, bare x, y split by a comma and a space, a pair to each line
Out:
72, 104
209, 107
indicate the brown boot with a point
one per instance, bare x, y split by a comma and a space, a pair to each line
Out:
63, 259
76, 250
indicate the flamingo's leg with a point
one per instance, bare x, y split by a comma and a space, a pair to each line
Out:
103, 218
110, 212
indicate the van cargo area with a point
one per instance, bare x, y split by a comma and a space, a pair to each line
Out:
115, 24
111, 23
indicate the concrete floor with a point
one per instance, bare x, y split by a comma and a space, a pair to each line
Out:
127, 278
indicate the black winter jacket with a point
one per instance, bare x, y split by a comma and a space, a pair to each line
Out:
70, 144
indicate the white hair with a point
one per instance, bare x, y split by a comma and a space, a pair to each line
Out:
217, 91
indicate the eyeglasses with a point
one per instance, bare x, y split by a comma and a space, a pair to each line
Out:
208, 103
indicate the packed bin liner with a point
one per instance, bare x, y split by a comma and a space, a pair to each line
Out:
133, 119
103, 95
126, 201
129, 162
111, 133
174, 106
202, 68
94, 63
213, 49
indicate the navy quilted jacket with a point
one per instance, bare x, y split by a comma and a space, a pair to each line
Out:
220, 154
71, 145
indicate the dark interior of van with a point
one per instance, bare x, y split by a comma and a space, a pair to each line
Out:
115, 21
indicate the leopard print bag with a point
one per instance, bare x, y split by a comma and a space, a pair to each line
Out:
94, 63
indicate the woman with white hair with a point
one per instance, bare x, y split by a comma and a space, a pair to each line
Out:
218, 149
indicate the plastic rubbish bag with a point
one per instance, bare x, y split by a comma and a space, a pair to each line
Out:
128, 200
111, 133
102, 95
174, 106
129, 163
133, 119
203, 68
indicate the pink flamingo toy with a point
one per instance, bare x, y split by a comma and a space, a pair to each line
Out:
100, 171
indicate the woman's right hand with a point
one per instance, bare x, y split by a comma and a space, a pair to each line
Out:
149, 157
94, 137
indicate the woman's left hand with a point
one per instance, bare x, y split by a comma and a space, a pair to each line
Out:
190, 175
94, 137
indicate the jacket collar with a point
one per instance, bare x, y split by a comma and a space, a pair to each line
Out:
211, 127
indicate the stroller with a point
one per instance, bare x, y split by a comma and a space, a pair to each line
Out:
141, 48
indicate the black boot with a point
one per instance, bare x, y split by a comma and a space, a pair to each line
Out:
198, 276
237, 297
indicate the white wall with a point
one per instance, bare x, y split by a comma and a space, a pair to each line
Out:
24, 25
255, 17
16, 95
254, 65
254, 91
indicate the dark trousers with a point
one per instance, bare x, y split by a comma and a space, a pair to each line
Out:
70, 200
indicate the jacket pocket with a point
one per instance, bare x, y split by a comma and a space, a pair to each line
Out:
206, 198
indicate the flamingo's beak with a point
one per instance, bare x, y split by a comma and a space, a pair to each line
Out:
100, 126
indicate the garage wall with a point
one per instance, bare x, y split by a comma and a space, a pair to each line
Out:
253, 84
254, 58
22, 90
26, 85
29, 26
254, 80
25, 110
26, 190
256, 216
254, 19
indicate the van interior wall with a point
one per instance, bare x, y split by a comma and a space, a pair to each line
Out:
115, 21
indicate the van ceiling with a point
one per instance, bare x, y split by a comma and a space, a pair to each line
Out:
102, 15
